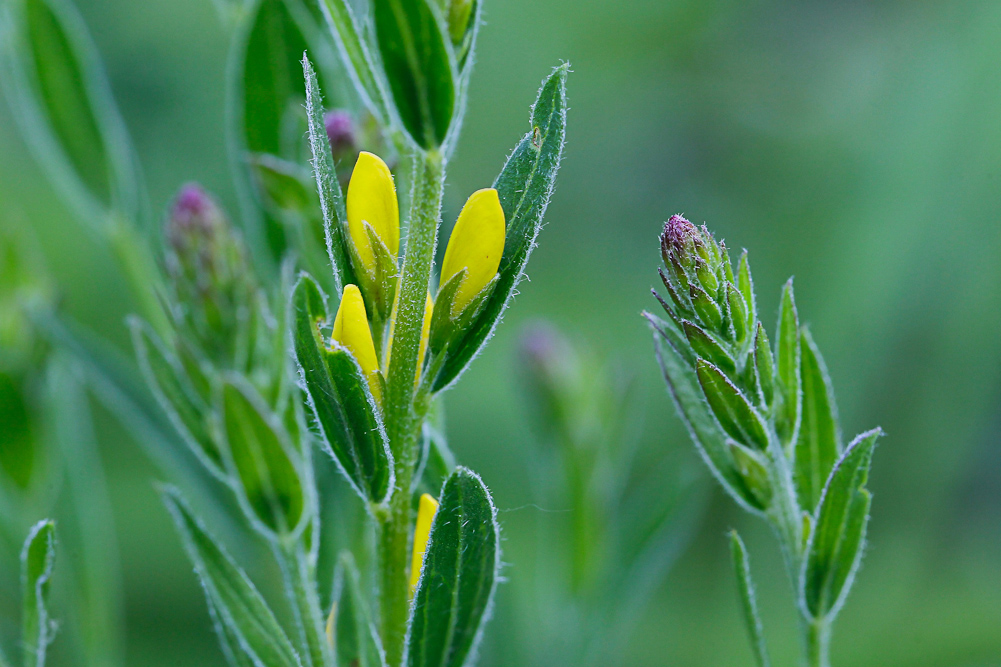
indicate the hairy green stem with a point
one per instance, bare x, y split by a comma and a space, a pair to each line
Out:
300, 584
402, 417
818, 639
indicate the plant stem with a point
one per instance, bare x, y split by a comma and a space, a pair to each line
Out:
818, 639
402, 420
301, 586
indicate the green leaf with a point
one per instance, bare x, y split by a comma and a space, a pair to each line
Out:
764, 366
37, 562
458, 578
327, 185
818, 443
261, 457
61, 98
753, 472
356, 57
708, 347
704, 429
835, 547
734, 412
175, 394
338, 393
356, 642
525, 186
788, 361
748, 602
419, 66
239, 607
746, 287
738, 313
285, 185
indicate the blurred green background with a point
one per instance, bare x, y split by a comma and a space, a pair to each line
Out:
855, 145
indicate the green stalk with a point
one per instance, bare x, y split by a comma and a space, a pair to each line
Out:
300, 584
818, 640
402, 419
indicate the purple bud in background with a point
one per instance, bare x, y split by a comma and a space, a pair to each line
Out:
194, 215
340, 131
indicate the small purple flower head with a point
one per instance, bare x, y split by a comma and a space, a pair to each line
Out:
340, 131
679, 240
194, 212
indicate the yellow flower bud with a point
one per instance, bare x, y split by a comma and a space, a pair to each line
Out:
425, 333
352, 331
476, 245
425, 514
372, 198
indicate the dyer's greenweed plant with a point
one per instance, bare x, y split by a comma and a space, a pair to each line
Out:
346, 346
765, 422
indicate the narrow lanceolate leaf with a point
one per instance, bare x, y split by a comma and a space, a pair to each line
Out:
37, 562
818, 443
419, 66
745, 284
525, 186
60, 96
262, 458
731, 407
327, 185
175, 394
748, 602
787, 362
835, 548
764, 365
356, 57
242, 611
704, 429
707, 347
459, 576
356, 642
352, 428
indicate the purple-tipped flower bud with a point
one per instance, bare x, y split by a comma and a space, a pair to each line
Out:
678, 240
341, 133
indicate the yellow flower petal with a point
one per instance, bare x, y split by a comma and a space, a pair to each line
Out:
372, 198
425, 514
352, 331
425, 333
476, 244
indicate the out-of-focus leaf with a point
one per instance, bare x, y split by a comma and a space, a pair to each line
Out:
327, 185
419, 67
748, 602
262, 457
356, 57
787, 364
734, 412
458, 578
835, 547
338, 393
237, 604
356, 642
19, 441
525, 186
37, 561
818, 443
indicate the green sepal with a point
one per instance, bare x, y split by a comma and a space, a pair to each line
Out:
706, 275
738, 314
787, 364
524, 186
356, 641
764, 366
732, 409
753, 472
673, 335
708, 347
353, 432
356, 57
61, 98
748, 600
379, 287
448, 327
328, 187
176, 395
706, 308
835, 548
420, 68
704, 429
818, 444
240, 609
683, 304
746, 286
458, 578
37, 563
261, 459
